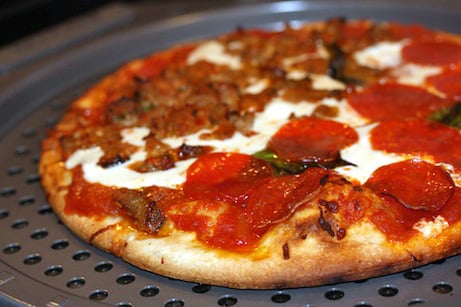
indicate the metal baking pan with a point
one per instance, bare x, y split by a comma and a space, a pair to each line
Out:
44, 264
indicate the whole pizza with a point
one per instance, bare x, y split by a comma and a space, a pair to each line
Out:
260, 159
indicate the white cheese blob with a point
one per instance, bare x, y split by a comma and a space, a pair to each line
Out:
366, 159
414, 74
381, 55
135, 136
213, 52
431, 229
324, 82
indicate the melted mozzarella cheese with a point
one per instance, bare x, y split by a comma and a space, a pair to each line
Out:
135, 136
431, 229
364, 157
213, 52
413, 74
381, 55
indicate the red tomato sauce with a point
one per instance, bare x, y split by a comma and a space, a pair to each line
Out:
89, 199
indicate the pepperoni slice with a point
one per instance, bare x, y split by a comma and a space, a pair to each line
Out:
275, 198
432, 52
419, 137
415, 183
223, 176
448, 82
379, 102
311, 140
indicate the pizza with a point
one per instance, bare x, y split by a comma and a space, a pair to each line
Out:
296, 157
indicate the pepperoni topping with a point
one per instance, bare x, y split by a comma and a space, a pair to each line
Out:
275, 198
416, 184
432, 52
448, 82
311, 140
419, 137
379, 102
224, 176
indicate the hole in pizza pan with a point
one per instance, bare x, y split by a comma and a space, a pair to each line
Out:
4, 214
104, 266
15, 170
149, 291
175, 302
126, 279
54, 270
458, 272
32, 259
22, 150
8, 191
334, 294
60, 244
124, 304
39, 234
28, 132
26, 200
280, 297
416, 301
227, 300
44, 210
388, 291
201, 288
33, 178
11, 248
20, 224
81, 255
363, 304
75, 282
98, 295
413, 275
442, 288
51, 121
36, 159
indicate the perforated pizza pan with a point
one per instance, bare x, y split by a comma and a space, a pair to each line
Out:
44, 264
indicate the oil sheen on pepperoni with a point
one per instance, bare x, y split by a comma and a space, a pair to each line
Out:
419, 137
448, 82
311, 140
379, 102
432, 52
415, 183
224, 176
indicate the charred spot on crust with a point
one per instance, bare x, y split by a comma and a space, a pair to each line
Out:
147, 216
331, 206
286, 251
325, 225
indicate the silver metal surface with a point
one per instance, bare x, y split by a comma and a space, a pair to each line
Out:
42, 263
